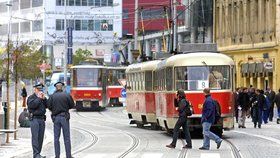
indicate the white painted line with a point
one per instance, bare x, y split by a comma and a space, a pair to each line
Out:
210, 155
277, 141
153, 155
95, 156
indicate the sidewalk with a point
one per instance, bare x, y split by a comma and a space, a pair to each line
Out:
22, 145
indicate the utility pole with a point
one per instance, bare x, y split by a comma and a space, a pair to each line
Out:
8, 69
171, 26
16, 54
65, 45
174, 25
136, 25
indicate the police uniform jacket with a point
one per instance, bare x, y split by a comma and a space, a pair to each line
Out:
36, 106
60, 102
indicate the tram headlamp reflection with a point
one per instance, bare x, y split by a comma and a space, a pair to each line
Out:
99, 94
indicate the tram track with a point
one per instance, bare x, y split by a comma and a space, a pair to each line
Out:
183, 152
235, 151
93, 140
135, 140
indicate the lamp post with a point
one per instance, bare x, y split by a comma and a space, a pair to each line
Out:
8, 69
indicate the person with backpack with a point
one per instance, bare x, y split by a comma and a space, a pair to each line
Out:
183, 107
208, 118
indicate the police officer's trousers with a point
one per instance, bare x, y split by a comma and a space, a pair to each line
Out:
37, 130
61, 122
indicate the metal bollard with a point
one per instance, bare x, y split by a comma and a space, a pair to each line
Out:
5, 108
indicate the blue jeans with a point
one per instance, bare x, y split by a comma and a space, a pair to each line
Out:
37, 127
207, 135
265, 115
62, 122
278, 110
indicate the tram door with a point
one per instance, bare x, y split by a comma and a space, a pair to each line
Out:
104, 77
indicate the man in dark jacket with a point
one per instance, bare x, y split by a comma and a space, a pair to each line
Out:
37, 104
59, 103
244, 101
207, 119
257, 109
277, 102
271, 96
182, 121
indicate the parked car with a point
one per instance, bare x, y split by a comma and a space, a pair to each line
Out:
55, 78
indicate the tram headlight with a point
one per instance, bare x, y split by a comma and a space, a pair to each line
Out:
229, 107
99, 94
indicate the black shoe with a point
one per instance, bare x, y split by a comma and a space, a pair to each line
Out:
255, 125
203, 148
259, 126
243, 127
170, 146
42, 156
187, 147
219, 144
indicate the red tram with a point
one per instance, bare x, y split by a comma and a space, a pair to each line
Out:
192, 72
96, 86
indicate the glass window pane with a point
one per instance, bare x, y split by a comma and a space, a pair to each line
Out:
78, 25
78, 2
3, 7
104, 25
37, 3
25, 4
84, 2
90, 2
15, 5
87, 77
25, 27
110, 2
90, 25
59, 24
84, 25
103, 2
70, 23
97, 2
3, 29
15, 28
37, 25
71, 2
97, 25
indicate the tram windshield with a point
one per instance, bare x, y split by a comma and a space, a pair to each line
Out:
199, 77
86, 77
114, 76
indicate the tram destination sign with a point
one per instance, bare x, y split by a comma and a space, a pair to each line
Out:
197, 47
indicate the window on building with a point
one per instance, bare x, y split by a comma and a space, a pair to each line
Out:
90, 25
97, 25
110, 25
84, 25
59, 2
59, 24
110, 2
97, 2
3, 8
103, 2
71, 2
78, 2
70, 23
77, 25
84, 2
90, 2
24, 4
37, 25
37, 3
15, 5
25, 27
3, 29
15, 28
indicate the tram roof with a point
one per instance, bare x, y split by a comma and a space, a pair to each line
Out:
87, 66
144, 66
196, 59
116, 68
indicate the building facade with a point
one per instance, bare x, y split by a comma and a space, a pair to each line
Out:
97, 24
248, 31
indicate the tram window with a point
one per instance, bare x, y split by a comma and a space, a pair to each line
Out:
114, 76
169, 79
219, 77
87, 77
148, 80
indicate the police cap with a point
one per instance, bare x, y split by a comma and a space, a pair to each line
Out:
59, 83
39, 86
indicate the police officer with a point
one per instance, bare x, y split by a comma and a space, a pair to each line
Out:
37, 104
59, 103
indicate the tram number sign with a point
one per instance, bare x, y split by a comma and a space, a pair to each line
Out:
123, 93
203, 84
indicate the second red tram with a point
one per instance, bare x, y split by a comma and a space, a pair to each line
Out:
192, 72
96, 86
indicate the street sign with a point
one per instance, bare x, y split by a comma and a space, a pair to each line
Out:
70, 36
123, 93
268, 65
69, 55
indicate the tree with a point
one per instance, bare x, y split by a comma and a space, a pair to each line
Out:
81, 55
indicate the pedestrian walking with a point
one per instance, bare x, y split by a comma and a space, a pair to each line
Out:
236, 103
183, 106
243, 100
59, 103
266, 108
257, 109
23, 95
271, 96
37, 104
23, 118
207, 119
277, 102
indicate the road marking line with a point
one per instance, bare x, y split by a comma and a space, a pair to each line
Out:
210, 155
277, 141
95, 156
153, 155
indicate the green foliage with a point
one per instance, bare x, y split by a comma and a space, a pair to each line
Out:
81, 55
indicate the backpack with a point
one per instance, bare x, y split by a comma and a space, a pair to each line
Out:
217, 111
189, 109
